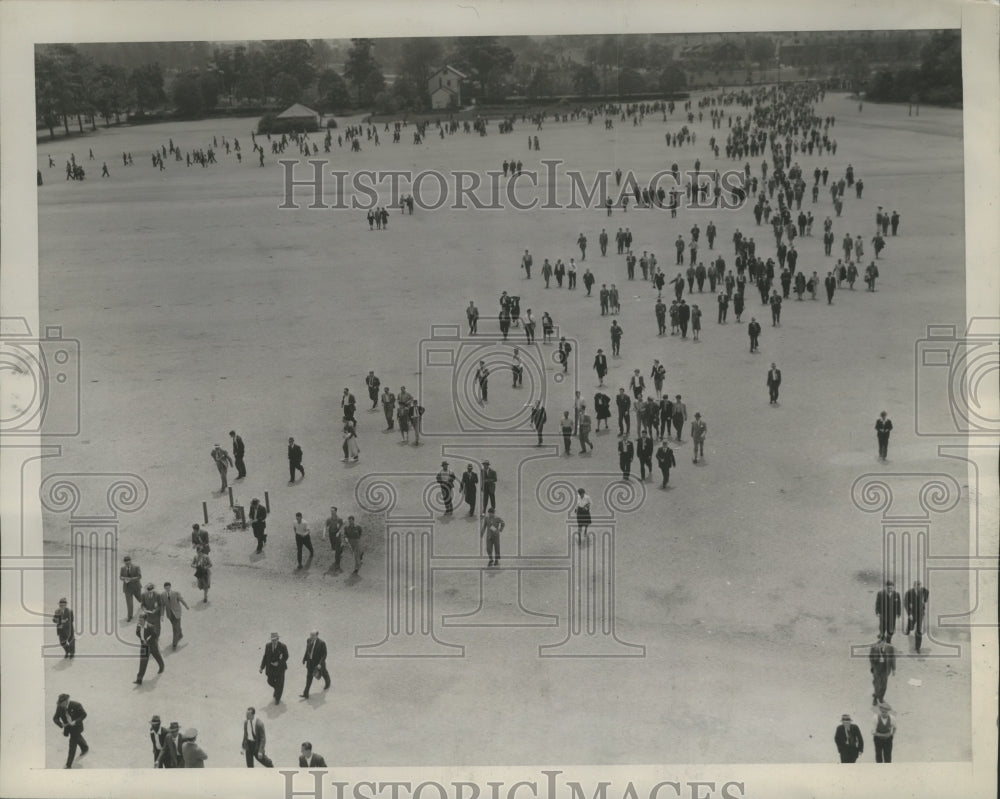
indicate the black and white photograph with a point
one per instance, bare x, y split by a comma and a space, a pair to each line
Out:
586, 400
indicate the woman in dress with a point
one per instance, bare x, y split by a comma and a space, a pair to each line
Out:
202, 571
403, 417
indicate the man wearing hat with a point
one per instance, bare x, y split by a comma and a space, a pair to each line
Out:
63, 620
170, 755
275, 662
172, 601
888, 608
470, 488
148, 645
69, 717
848, 739
680, 416
489, 486
149, 601
882, 733
446, 480
314, 660
158, 735
194, 756
131, 579
307, 759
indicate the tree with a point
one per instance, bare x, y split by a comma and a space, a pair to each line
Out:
110, 92
363, 71
672, 79
419, 58
50, 87
210, 85
485, 61
585, 81
291, 57
147, 84
287, 89
630, 82
186, 95
331, 90
540, 84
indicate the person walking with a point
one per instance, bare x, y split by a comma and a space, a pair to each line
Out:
773, 383
489, 477
303, 538
275, 662
469, 486
583, 517
194, 756
314, 660
148, 646
446, 482
848, 739
644, 452
64, 622
600, 366
888, 610
884, 728
308, 759
255, 740
538, 419
151, 604
566, 428
626, 453
492, 527
294, 461
352, 532
665, 460
915, 601
699, 430
239, 450
883, 427
258, 523
222, 462
680, 416
882, 663
350, 445
131, 580
69, 718
388, 407
584, 426
332, 528
753, 329
172, 601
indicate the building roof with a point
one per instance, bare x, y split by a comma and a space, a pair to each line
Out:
448, 68
296, 111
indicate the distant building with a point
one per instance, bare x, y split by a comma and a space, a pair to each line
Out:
445, 88
299, 117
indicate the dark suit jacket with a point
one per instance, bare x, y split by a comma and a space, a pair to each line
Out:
851, 741
625, 451
258, 513
538, 417
275, 657
170, 755
317, 762
72, 715
238, 448
295, 454
915, 605
260, 734
887, 603
318, 653
773, 381
644, 449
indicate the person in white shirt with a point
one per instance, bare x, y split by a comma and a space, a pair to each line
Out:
583, 503
302, 538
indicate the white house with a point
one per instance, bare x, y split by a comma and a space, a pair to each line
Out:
445, 88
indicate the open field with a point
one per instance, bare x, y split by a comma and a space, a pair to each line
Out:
201, 307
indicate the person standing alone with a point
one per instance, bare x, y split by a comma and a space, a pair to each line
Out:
239, 450
883, 427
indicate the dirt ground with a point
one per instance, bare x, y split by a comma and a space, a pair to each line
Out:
201, 307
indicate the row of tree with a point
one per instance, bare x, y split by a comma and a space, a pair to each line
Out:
937, 80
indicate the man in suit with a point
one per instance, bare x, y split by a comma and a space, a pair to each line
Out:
882, 663
239, 450
170, 755
348, 403
258, 522
131, 579
148, 646
773, 382
314, 660
472, 314
665, 460
698, 432
883, 427
680, 416
848, 739
309, 760
626, 452
373, 384
172, 601
470, 488
754, 331
149, 601
624, 404
254, 740
916, 610
194, 756
538, 419
489, 486
888, 608
158, 735
275, 661
644, 451
294, 461
388, 407
63, 620
69, 717
199, 538
333, 528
